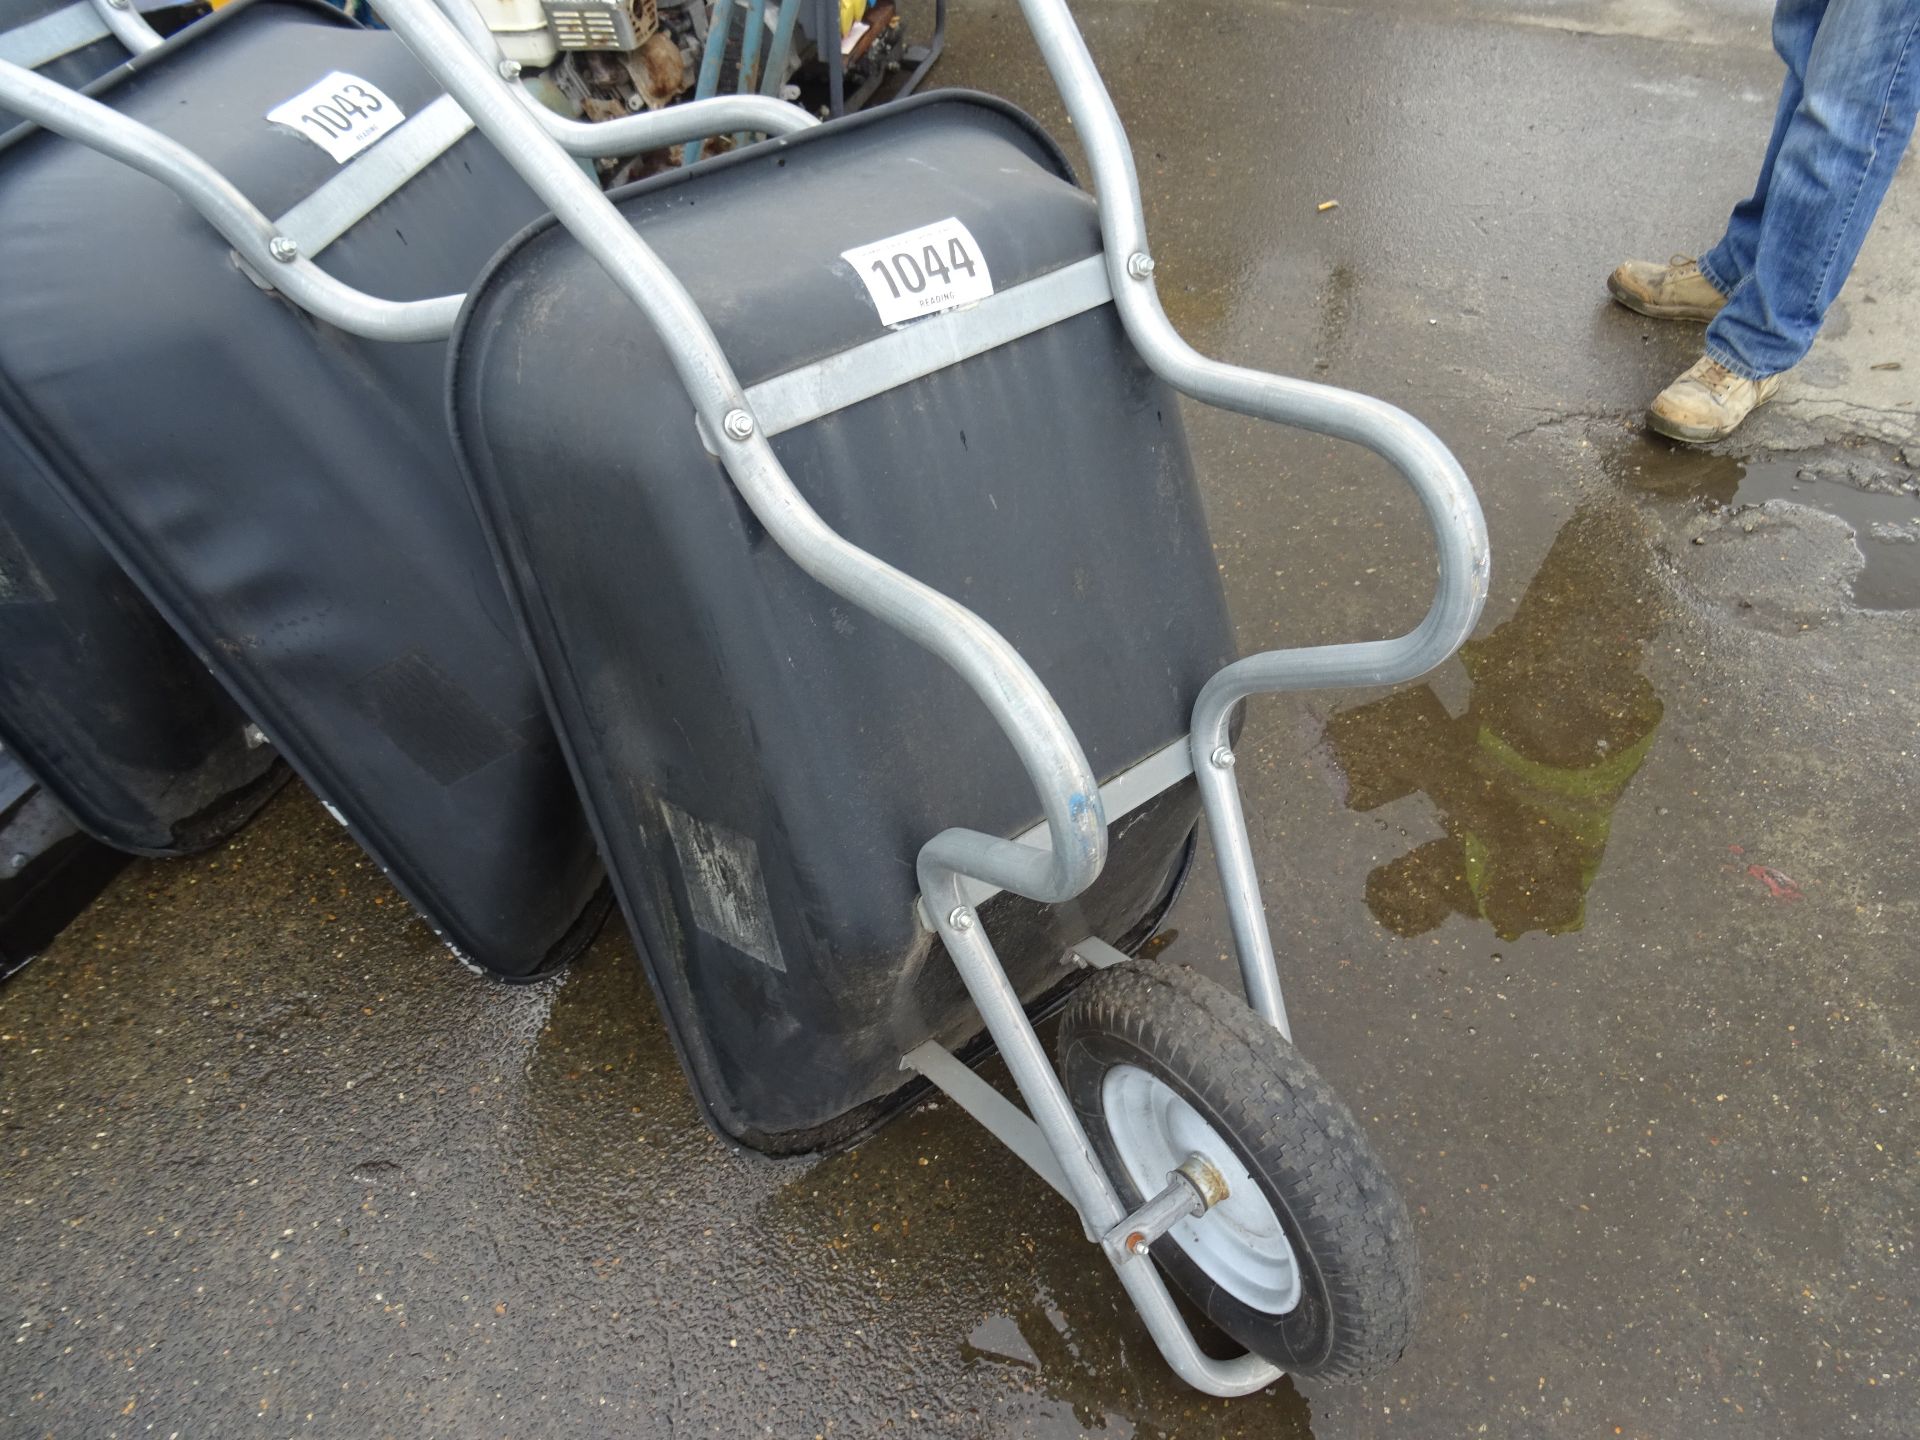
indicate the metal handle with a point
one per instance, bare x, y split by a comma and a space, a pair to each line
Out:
1452, 509
1005, 683
128, 25
1436, 477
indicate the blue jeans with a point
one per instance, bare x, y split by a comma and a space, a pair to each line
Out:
1846, 114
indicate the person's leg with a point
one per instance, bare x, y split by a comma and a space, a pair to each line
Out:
1795, 23
1689, 289
1828, 177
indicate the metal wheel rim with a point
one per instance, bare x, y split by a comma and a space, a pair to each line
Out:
1240, 1243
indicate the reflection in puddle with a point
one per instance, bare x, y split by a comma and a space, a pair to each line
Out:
998, 1337
1879, 499
1526, 780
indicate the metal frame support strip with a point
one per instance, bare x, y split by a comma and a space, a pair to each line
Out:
922, 347
1095, 954
61, 33
370, 179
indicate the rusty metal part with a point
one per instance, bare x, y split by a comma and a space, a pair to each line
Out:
1206, 1178
1183, 1198
659, 70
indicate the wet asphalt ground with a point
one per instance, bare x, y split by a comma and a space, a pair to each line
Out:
273, 1164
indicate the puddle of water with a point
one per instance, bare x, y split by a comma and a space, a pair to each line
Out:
1525, 781
1877, 499
1886, 526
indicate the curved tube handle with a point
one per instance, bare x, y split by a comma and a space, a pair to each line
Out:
1452, 511
1448, 499
1436, 477
1460, 534
128, 25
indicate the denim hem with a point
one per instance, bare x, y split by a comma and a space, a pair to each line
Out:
1721, 356
1712, 276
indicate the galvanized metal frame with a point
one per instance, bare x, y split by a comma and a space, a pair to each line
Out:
1442, 488
953, 865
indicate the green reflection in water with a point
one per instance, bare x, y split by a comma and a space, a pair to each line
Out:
1525, 782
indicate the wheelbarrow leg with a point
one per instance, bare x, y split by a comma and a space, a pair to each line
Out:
1240, 882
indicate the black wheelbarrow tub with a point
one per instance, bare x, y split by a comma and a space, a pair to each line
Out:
98, 697
284, 493
763, 761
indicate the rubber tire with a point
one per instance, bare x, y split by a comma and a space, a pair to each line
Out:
1360, 1273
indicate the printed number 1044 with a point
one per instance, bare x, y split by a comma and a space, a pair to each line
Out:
922, 272
907, 274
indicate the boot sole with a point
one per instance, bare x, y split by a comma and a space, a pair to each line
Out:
1652, 311
1691, 434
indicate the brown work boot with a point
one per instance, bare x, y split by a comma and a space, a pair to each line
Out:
1708, 402
1673, 291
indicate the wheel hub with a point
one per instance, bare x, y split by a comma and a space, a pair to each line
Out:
1239, 1242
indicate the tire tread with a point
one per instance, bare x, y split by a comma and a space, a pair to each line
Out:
1279, 1108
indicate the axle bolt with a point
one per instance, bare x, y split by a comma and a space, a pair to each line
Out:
738, 425
1140, 265
961, 918
284, 248
509, 69
1222, 758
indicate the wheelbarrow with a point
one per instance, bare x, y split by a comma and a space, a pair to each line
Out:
890, 734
